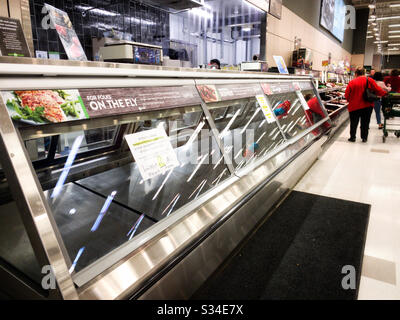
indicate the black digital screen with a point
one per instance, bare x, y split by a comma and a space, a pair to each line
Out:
143, 55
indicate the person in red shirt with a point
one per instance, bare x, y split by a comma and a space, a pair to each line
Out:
393, 80
315, 113
358, 107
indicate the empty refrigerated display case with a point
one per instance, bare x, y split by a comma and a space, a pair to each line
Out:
124, 181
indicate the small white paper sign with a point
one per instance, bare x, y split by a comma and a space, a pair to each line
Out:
265, 108
153, 152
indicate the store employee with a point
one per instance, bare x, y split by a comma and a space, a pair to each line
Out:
215, 64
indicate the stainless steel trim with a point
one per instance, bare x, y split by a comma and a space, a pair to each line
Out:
34, 210
32, 83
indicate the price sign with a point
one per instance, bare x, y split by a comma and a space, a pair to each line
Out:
265, 108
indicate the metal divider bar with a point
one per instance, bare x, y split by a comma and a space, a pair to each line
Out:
35, 212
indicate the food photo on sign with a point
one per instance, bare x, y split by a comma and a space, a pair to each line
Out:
44, 106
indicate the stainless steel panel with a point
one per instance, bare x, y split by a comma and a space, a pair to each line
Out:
34, 211
30, 66
31, 83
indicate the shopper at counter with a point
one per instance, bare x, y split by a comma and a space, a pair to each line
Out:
215, 64
393, 80
378, 77
315, 113
358, 107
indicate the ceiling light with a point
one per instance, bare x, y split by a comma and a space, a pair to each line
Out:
373, 16
369, 37
369, 31
376, 29
394, 25
381, 41
391, 37
374, 23
393, 44
393, 49
395, 5
394, 31
371, 6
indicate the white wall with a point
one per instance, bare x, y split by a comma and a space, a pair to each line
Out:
281, 35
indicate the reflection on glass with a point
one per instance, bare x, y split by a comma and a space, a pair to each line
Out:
99, 213
290, 113
315, 112
245, 132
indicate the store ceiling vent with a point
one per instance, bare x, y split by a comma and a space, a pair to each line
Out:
178, 4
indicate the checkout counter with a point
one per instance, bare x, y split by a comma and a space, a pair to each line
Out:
72, 196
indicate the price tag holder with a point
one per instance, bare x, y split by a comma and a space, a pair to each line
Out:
265, 108
153, 152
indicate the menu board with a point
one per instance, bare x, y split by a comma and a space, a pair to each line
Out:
61, 22
54, 106
12, 39
225, 92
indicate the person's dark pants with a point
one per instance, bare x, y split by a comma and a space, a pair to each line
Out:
365, 116
378, 107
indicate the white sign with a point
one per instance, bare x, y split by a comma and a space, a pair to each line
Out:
41, 54
280, 63
265, 108
153, 152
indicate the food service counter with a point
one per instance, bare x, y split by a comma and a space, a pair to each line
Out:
128, 184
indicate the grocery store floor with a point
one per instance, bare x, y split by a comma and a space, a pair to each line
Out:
367, 173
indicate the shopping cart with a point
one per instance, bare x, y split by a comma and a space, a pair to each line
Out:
391, 110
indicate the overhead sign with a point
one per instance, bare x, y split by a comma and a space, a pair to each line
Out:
12, 39
261, 4
153, 152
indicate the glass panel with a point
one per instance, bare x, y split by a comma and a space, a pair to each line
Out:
316, 112
15, 246
245, 132
38, 148
290, 113
97, 213
93, 139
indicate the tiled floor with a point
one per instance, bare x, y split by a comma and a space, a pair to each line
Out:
367, 173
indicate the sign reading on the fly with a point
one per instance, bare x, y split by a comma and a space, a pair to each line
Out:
153, 152
12, 39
